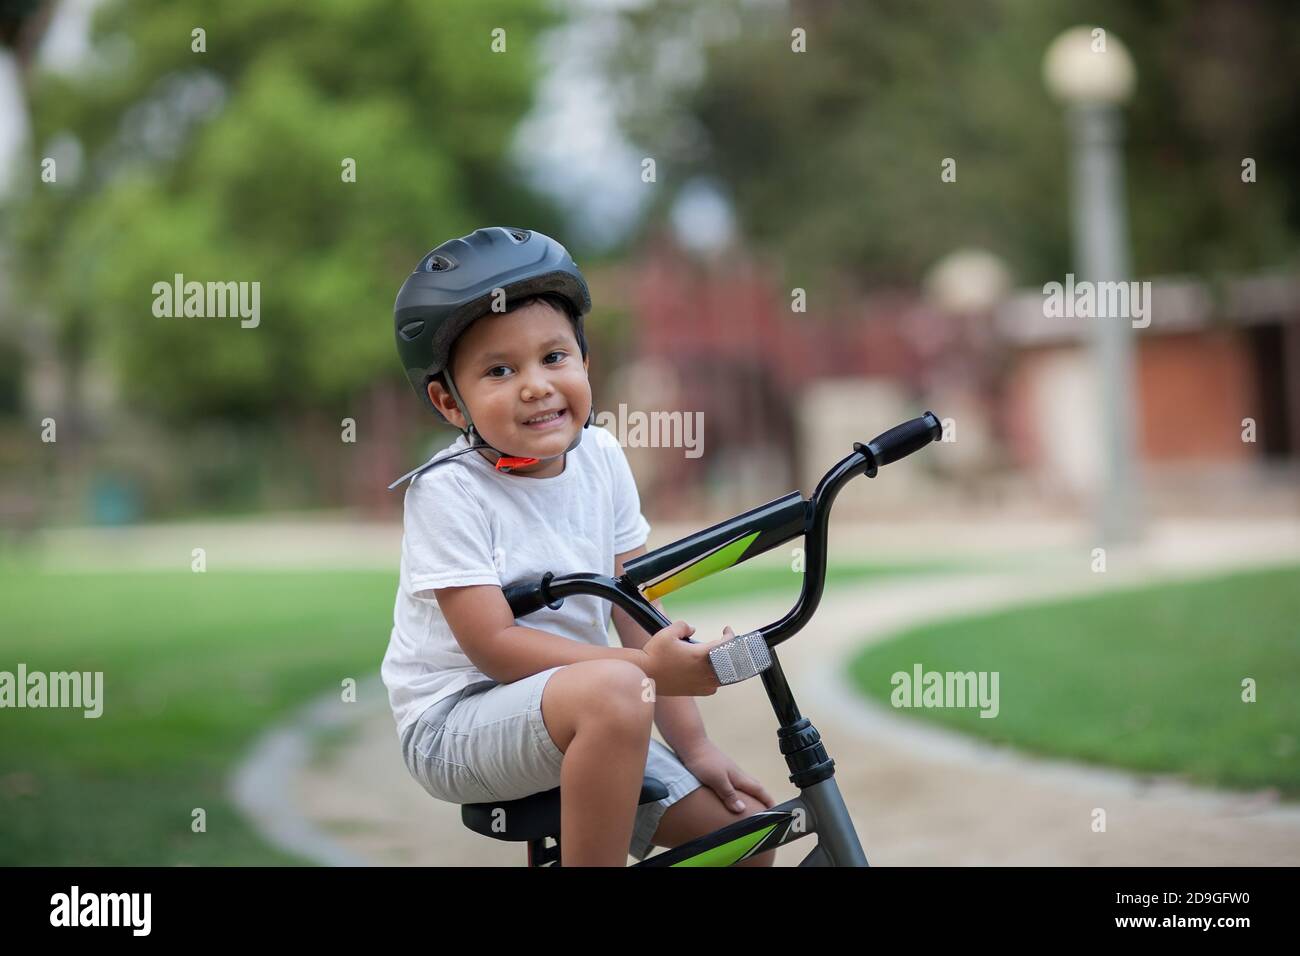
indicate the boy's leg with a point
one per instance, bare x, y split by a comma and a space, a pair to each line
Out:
596, 714
701, 812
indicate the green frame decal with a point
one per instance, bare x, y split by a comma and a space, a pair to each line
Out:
720, 560
729, 853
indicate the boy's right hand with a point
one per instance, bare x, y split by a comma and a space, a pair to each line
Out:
679, 667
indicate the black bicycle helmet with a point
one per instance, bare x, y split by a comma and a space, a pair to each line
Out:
456, 283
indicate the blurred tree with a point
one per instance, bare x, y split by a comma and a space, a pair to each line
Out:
833, 156
227, 165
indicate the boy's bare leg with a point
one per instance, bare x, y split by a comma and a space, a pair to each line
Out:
701, 812
596, 714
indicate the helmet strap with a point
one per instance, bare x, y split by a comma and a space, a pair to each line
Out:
501, 461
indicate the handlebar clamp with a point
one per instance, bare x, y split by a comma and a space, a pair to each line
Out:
740, 658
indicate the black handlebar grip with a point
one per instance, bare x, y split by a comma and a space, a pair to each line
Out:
525, 597
901, 440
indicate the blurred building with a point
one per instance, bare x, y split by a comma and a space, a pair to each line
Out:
784, 386
785, 393
1218, 390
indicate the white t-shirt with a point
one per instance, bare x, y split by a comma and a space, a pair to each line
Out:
467, 523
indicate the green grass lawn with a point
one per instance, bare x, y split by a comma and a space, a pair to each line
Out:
195, 666
1149, 679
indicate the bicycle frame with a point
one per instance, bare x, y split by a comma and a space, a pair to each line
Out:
819, 808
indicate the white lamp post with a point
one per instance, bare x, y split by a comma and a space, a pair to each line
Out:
1092, 73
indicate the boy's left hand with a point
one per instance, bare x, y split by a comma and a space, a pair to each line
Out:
719, 773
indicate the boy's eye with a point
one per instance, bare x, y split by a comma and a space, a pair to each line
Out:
560, 352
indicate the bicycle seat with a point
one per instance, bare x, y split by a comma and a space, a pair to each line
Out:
535, 816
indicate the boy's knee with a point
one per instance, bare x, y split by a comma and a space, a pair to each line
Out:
616, 693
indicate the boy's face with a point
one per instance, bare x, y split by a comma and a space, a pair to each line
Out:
512, 367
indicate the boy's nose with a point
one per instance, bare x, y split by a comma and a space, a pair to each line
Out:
536, 387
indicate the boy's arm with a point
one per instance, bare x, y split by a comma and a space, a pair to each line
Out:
678, 718
480, 618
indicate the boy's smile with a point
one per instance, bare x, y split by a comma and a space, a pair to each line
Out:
523, 378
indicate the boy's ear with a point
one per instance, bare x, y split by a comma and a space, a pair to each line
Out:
443, 401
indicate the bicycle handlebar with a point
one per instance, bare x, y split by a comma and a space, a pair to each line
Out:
901, 440
745, 656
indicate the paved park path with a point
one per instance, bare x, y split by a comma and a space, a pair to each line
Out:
918, 795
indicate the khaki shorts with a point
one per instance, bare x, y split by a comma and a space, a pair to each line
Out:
488, 742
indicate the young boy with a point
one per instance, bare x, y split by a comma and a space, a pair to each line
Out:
489, 328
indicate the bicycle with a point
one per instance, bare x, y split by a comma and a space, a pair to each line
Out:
819, 808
